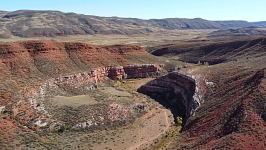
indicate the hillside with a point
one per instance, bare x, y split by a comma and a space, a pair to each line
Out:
231, 114
29, 23
213, 52
51, 58
260, 23
27, 63
238, 32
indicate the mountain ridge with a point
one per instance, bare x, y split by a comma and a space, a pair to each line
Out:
32, 23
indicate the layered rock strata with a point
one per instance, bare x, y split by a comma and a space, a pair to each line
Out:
114, 73
175, 91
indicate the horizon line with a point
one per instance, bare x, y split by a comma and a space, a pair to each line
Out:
129, 17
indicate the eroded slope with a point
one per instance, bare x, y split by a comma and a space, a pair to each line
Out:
28, 71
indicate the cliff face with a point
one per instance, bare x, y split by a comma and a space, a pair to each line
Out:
114, 73
175, 91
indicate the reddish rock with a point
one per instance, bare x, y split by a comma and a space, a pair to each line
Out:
231, 115
114, 73
117, 73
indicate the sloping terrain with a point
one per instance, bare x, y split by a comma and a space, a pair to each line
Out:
238, 32
213, 52
260, 23
235, 24
29, 23
50, 57
233, 113
232, 109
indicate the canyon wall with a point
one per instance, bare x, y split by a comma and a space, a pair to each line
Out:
174, 91
114, 73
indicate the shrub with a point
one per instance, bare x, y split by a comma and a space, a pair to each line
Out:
62, 128
179, 120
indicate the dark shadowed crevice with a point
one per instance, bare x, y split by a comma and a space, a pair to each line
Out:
175, 92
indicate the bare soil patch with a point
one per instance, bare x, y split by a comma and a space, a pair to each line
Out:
116, 92
74, 101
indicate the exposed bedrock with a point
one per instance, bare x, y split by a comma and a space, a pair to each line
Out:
114, 73
174, 91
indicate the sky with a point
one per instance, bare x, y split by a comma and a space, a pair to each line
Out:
250, 10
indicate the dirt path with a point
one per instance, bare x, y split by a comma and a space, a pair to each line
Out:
150, 141
139, 135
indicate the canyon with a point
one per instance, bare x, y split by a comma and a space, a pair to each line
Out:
76, 81
51, 91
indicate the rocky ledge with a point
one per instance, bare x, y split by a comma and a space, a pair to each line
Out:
114, 73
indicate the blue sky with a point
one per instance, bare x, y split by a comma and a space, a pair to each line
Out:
250, 10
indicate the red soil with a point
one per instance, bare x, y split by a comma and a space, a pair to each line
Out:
231, 116
25, 65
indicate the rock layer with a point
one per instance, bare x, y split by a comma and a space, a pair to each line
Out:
175, 91
114, 73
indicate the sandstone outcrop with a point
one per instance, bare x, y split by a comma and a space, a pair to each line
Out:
114, 73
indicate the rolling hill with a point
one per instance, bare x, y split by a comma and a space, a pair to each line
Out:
30, 23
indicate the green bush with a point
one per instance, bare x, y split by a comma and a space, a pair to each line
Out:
179, 120
62, 128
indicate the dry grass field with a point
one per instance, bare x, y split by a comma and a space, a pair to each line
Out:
156, 38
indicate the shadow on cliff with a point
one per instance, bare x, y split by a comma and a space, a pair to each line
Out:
175, 92
173, 103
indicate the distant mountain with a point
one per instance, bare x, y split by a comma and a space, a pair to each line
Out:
235, 23
239, 32
259, 24
30, 23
